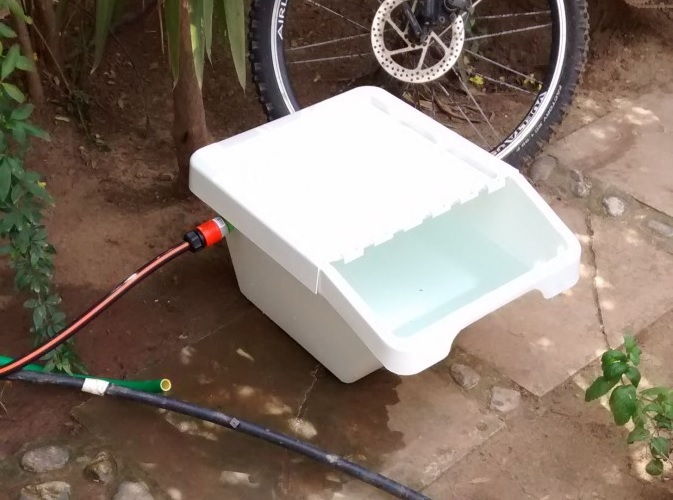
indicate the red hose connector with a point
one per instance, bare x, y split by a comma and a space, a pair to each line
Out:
207, 234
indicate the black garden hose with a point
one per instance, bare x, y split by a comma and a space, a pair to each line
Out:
103, 388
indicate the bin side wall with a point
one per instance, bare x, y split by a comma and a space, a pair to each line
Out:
307, 317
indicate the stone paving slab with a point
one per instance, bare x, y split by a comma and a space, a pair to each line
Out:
539, 343
630, 149
556, 448
411, 428
634, 277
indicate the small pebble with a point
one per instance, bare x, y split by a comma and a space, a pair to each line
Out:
129, 490
102, 469
504, 400
614, 206
464, 375
166, 177
579, 185
235, 478
45, 459
542, 168
661, 228
52, 490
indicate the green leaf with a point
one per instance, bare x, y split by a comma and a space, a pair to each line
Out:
19, 133
6, 31
25, 63
16, 9
53, 300
660, 447
615, 370
197, 37
9, 62
13, 92
655, 391
632, 350
30, 303
234, 11
655, 467
599, 387
38, 316
208, 26
172, 20
633, 374
652, 407
36, 131
22, 112
5, 180
638, 434
612, 356
667, 409
663, 422
104, 11
623, 403
17, 193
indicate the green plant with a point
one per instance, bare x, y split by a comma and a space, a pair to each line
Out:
22, 199
202, 17
650, 410
189, 26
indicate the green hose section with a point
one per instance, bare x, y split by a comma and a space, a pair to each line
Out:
152, 386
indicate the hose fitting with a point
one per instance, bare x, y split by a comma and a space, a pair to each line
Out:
207, 234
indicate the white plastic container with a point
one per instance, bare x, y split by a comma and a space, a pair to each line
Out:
372, 234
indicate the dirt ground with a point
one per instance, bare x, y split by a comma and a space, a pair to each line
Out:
115, 209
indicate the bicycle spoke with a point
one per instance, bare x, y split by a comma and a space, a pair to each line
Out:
405, 49
313, 2
465, 117
514, 14
333, 58
505, 84
508, 32
327, 42
474, 101
507, 68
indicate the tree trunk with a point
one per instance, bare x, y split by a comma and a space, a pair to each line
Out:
49, 28
33, 81
190, 131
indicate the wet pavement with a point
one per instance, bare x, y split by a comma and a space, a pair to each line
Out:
425, 430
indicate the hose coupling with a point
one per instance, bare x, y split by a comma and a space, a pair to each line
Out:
207, 234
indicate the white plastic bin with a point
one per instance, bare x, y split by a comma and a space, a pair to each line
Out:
372, 234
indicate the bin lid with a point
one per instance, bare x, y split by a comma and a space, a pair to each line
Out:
323, 184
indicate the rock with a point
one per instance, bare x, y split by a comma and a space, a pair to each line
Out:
662, 228
238, 479
542, 168
579, 185
464, 376
102, 469
45, 459
52, 490
614, 206
129, 490
504, 400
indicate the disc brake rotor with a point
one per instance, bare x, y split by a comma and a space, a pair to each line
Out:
415, 55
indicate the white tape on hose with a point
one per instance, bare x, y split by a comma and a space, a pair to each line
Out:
95, 386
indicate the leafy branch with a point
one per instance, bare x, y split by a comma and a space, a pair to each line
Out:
650, 410
23, 196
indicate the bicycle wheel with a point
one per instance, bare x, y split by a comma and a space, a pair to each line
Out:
502, 74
